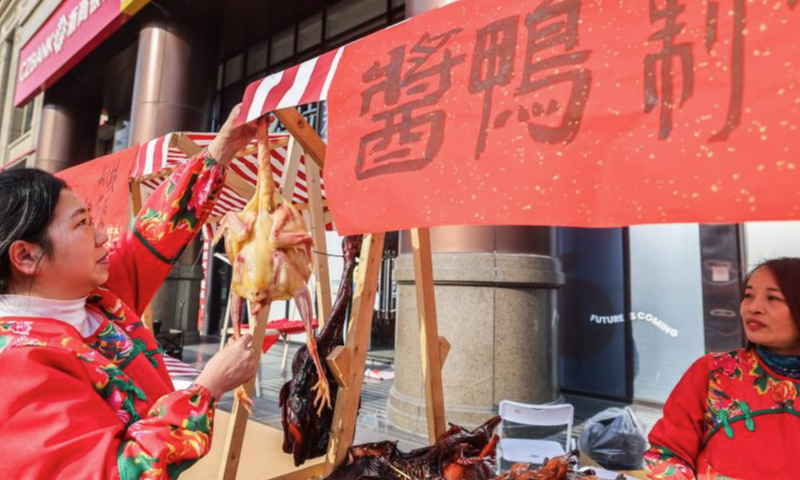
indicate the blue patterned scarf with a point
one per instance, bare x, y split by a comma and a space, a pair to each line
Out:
786, 365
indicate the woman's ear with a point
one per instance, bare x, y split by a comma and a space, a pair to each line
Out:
25, 257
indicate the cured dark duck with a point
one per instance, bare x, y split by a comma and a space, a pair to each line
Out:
457, 455
556, 468
306, 429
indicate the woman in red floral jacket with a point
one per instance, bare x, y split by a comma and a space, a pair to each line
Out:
736, 415
84, 393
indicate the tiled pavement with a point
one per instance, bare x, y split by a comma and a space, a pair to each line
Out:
372, 423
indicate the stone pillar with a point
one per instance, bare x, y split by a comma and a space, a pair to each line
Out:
498, 311
68, 129
496, 304
174, 79
173, 88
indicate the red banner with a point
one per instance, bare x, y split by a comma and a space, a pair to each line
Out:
569, 112
71, 32
103, 184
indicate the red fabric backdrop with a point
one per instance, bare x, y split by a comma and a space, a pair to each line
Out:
103, 184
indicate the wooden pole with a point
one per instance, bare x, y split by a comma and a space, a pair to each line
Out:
289, 181
312, 143
136, 197
348, 362
223, 334
429, 333
239, 185
185, 144
316, 213
239, 415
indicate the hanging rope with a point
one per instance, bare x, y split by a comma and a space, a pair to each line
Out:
327, 254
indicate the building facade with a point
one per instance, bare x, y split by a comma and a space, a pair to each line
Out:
83, 78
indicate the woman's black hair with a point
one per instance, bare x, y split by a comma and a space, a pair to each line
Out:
786, 272
28, 199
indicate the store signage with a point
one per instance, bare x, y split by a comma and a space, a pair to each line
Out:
74, 29
130, 7
647, 317
607, 319
570, 113
653, 320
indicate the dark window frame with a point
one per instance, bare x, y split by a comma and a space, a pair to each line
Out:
391, 16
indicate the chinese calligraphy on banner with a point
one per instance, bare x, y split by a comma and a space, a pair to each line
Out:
569, 112
103, 185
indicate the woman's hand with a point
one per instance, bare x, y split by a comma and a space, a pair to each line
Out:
230, 138
229, 368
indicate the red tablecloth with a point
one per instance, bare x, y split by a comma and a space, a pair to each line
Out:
284, 326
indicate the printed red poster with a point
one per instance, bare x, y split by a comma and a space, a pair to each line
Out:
103, 184
571, 113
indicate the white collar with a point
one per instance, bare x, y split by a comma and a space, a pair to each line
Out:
72, 312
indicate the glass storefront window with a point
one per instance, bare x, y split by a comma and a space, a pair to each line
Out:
233, 69
28, 121
343, 22
361, 31
351, 13
21, 121
666, 306
592, 328
216, 115
309, 54
282, 46
309, 33
257, 58
230, 98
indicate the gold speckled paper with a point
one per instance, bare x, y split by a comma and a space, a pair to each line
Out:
591, 114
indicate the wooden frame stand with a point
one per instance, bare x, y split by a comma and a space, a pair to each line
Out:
348, 361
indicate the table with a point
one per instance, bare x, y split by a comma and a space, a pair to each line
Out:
262, 456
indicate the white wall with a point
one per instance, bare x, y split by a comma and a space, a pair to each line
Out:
766, 240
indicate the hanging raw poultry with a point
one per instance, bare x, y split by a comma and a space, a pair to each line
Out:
270, 249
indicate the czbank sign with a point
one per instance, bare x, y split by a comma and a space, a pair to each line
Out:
73, 30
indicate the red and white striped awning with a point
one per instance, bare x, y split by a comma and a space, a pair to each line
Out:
157, 158
305, 83
177, 368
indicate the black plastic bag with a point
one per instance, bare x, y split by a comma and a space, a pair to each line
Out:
615, 439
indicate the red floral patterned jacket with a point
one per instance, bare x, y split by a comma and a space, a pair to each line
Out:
104, 407
730, 417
